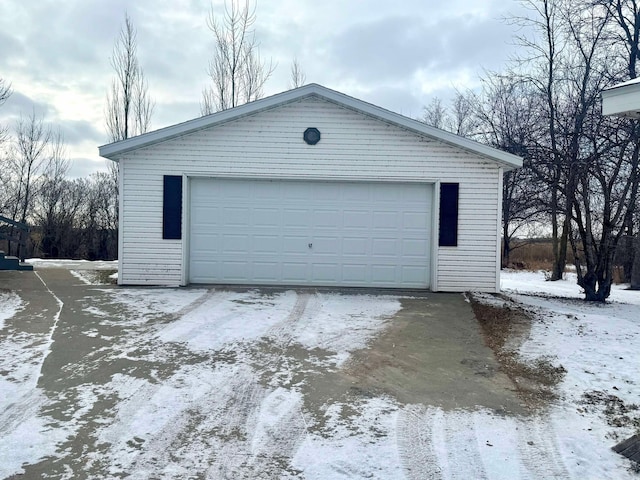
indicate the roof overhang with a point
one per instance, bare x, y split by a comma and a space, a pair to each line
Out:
622, 100
114, 151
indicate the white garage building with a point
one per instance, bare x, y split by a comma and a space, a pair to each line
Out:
309, 187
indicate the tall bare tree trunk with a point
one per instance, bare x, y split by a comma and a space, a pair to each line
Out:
635, 270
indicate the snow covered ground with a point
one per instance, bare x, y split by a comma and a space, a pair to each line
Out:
214, 384
599, 346
73, 264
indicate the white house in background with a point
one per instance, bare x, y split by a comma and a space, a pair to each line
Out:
622, 100
309, 187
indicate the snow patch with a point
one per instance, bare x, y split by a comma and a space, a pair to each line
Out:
10, 304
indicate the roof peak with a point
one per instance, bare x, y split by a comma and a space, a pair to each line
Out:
114, 150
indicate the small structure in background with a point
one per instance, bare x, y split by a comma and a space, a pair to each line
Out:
8, 262
623, 100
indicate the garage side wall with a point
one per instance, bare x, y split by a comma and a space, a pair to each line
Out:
270, 144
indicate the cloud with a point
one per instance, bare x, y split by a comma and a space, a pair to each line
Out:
170, 113
19, 104
393, 49
83, 167
79, 131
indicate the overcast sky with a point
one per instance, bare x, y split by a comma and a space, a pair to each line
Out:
396, 54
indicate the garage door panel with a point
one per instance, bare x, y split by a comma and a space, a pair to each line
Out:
326, 218
322, 245
296, 217
236, 216
234, 270
384, 247
266, 217
387, 194
353, 273
383, 274
415, 221
355, 246
356, 219
293, 272
385, 219
325, 191
295, 244
258, 231
266, 271
298, 191
324, 272
357, 193
266, 244
413, 274
235, 243
265, 190
414, 248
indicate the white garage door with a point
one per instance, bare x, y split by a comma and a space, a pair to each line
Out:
275, 232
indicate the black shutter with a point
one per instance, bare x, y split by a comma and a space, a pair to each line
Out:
172, 207
448, 215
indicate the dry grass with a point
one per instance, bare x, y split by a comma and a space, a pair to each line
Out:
534, 255
538, 255
503, 328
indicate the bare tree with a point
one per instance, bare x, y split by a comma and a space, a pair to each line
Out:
298, 77
435, 114
506, 117
586, 161
129, 106
5, 90
57, 204
5, 93
540, 65
237, 73
458, 117
26, 160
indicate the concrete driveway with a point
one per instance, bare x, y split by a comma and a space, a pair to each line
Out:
106, 382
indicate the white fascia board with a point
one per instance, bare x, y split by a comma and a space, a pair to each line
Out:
114, 150
622, 100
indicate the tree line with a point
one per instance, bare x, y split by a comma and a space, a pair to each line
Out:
69, 218
580, 179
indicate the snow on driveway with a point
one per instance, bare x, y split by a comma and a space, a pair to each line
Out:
202, 383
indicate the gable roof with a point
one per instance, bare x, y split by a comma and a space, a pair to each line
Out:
114, 150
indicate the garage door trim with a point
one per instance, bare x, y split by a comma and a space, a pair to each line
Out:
431, 259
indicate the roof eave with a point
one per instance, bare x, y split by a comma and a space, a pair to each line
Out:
622, 100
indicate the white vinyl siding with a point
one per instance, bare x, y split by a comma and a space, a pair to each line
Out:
269, 144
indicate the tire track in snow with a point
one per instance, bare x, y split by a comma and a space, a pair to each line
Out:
281, 332
198, 302
415, 444
280, 430
539, 451
456, 445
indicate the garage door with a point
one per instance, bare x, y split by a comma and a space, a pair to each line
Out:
277, 232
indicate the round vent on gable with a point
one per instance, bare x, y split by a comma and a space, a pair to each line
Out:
311, 135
